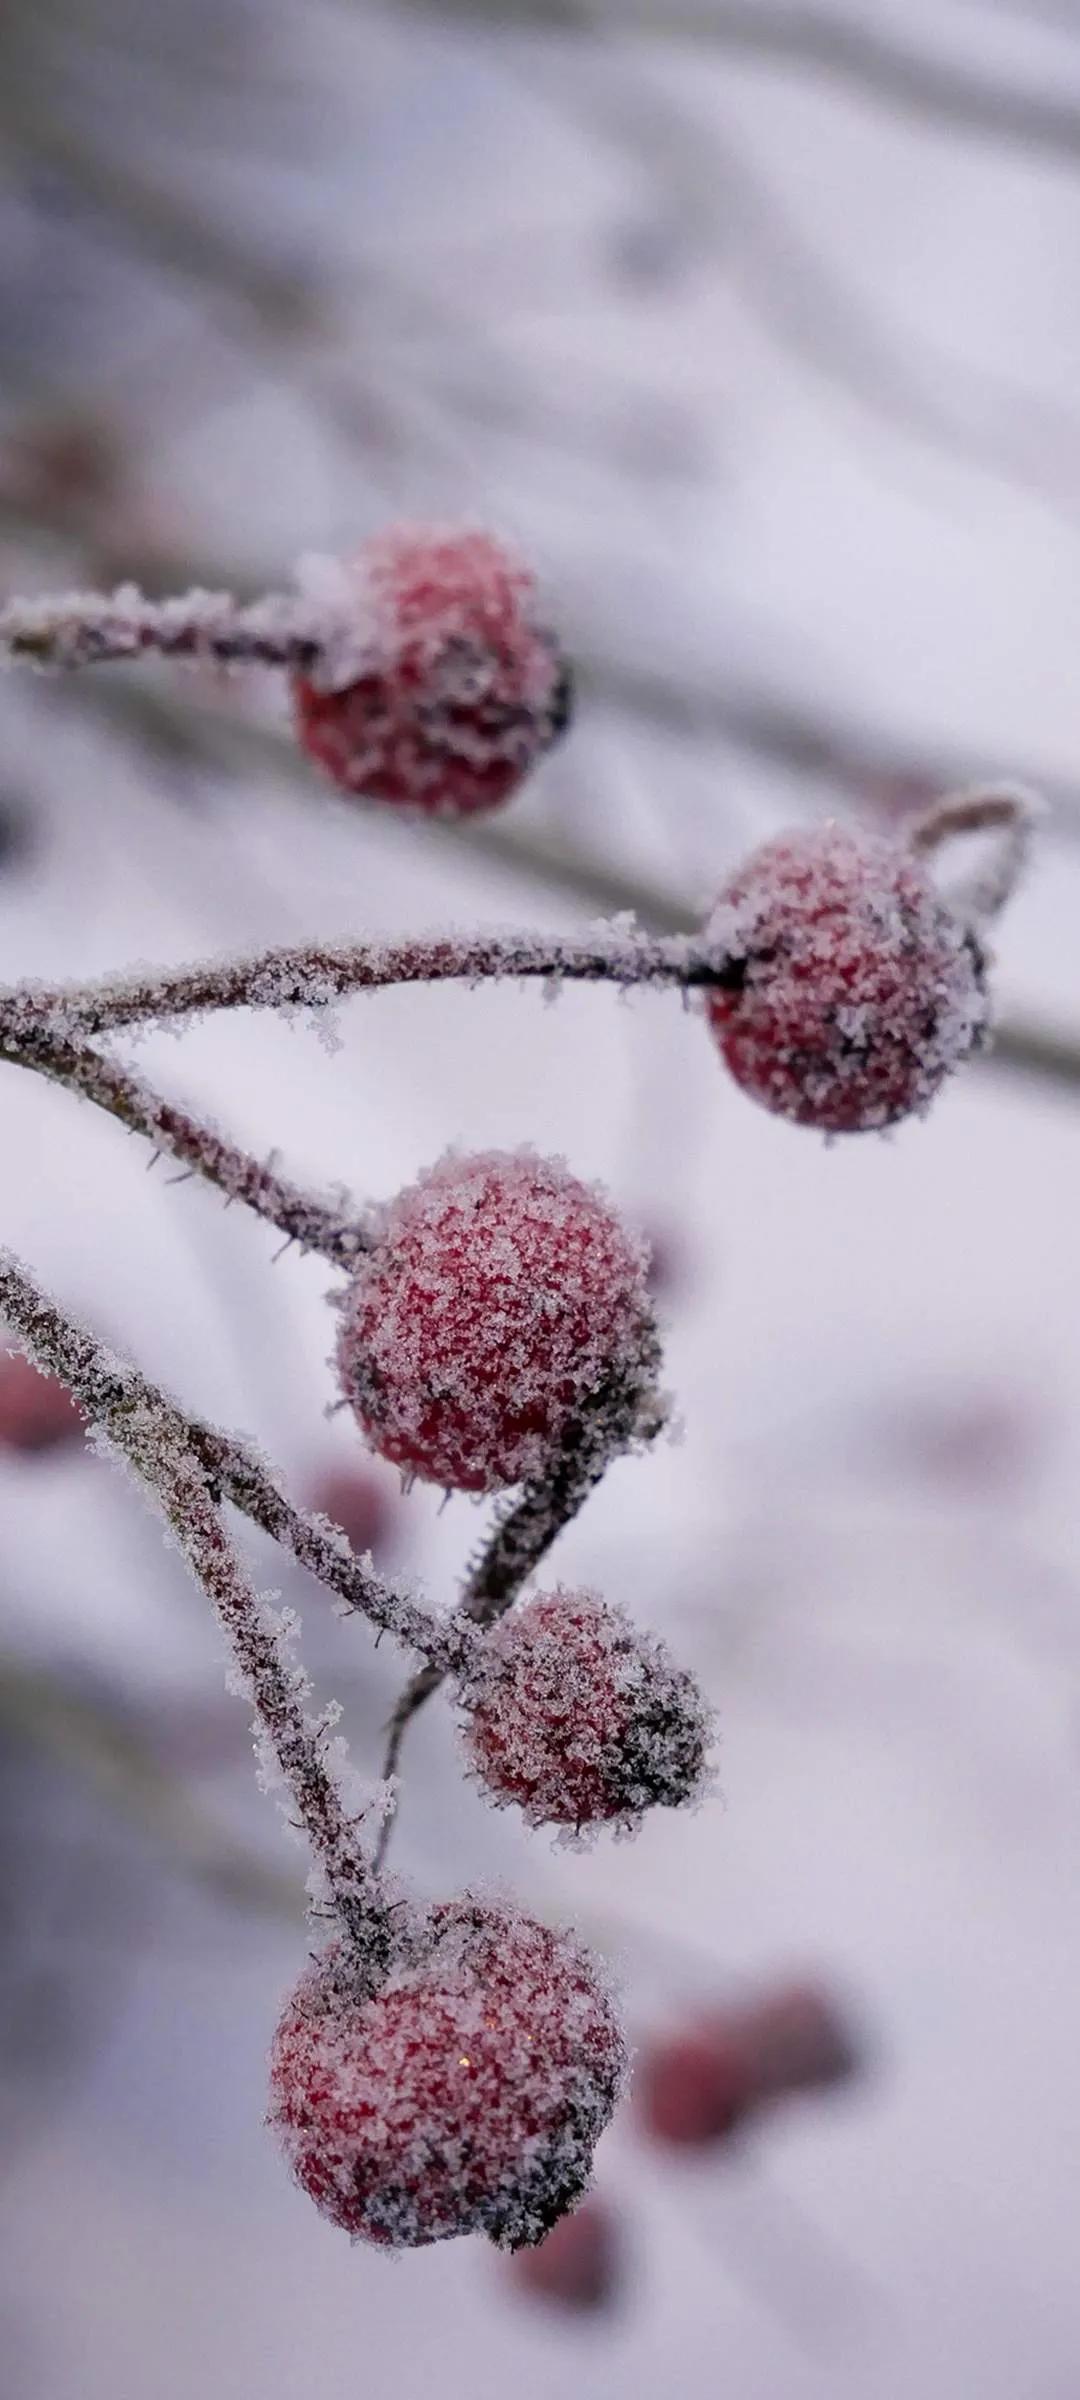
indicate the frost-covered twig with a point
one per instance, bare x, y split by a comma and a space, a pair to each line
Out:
83, 629
152, 1436
310, 974
26, 1040
443, 1642
1008, 809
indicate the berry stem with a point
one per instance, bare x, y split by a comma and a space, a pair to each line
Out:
443, 1642
1005, 808
310, 974
89, 629
154, 1438
525, 1532
26, 1040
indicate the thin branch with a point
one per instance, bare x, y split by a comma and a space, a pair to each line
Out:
89, 629
786, 281
311, 974
869, 56
26, 1040
1001, 808
152, 1436
325, 1551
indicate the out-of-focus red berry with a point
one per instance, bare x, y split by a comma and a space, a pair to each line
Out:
502, 1300
356, 1499
853, 989
694, 2086
465, 2093
459, 687
577, 2265
579, 1719
797, 2039
36, 1412
698, 2083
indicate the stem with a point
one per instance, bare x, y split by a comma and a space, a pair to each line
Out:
322, 1548
83, 629
526, 1531
1005, 808
153, 1437
310, 974
27, 1041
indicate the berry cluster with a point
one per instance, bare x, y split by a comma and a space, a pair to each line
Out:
499, 1319
445, 2071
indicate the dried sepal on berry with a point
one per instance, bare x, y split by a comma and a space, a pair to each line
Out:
853, 990
465, 2093
502, 1301
444, 687
579, 1719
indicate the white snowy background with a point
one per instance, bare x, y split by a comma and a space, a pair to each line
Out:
775, 375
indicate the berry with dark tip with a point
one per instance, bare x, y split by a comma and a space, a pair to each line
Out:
454, 687
853, 989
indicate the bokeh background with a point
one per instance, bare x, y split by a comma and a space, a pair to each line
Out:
758, 325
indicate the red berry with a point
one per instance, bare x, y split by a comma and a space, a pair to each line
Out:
465, 2094
579, 1719
693, 2087
577, 2265
502, 1300
854, 990
355, 1499
454, 688
798, 2040
36, 1412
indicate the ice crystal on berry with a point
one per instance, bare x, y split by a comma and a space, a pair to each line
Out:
463, 2094
854, 989
442, 687
502, 1300
580, 1719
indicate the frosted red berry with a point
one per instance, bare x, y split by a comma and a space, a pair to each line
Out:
355, 1499
36, 1412
465, 2094
694, 2086
578, 2265
853, 989
502, 1300
455, 687
579, 1719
